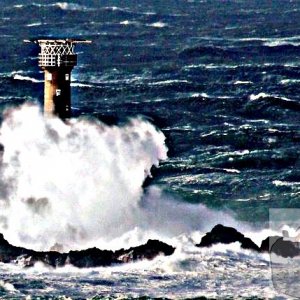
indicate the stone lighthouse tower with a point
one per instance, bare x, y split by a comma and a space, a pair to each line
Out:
57, 58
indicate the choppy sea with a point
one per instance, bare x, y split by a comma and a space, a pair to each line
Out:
219, 79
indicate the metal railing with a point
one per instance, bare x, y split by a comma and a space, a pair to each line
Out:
51, 60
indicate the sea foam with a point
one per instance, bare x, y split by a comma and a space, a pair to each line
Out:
79, 184
66, 182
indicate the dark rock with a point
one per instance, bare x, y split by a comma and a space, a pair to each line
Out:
92, 257
9, 252
226, 235
148, 251
280, 246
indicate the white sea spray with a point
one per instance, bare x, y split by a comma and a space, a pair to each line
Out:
66, 182
79, 183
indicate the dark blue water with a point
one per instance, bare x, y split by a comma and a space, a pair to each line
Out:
221, 79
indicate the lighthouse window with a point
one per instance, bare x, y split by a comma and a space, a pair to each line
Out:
67, 77
58, 92
49, 76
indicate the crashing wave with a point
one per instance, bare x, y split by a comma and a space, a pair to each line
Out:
77, 181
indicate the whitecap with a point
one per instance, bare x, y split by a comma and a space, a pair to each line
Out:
26, 78
239, 82
196, 95
267, 40
204, 95
127, 22
34, 24
158, 24
285, 183
168, 82
211, 133
288, 81
78, 84
245, 126
254, 97
278, 43
272, 130
71, 6
215, 66
116, 8
234, 171
263, 95
149, 13
64, 6
291, 65
243, 199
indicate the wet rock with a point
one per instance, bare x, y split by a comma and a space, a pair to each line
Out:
9, 252
281, 246
92, 257
148, 251
226, 235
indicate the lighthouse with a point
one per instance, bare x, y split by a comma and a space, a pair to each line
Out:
57, 59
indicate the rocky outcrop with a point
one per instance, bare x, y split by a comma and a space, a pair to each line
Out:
226, 235
273, 244
95, 257
92, 257
148, 251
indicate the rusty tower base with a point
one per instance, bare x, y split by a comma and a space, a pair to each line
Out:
57, 92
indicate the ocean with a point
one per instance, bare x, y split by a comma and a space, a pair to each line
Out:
202, 94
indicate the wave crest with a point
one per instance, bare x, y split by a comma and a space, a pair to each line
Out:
68, 183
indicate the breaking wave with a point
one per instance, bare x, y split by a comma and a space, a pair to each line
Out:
274, 100
80, 184
72, 182
60, 5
